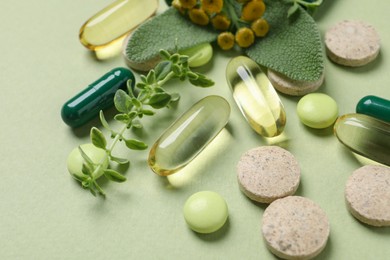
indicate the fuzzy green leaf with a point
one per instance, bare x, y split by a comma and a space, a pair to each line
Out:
97, 138
201, 81
104, 121
159, 100
114, 175
118, 160
166, 31
135, 144
293, 46
162, 69
121, 101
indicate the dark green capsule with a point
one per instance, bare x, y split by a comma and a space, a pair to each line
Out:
169, 2
374, 106
99, 95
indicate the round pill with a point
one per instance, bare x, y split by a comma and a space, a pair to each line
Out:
268, 173
352, 43
292, 87
199, 55
367, 195
75, 160
205, 211
295, 228
317, 110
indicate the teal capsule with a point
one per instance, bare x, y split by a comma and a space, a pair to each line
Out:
365, 135
97, 96
189, 135
374, 106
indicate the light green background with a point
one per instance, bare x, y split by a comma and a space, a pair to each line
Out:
46, 215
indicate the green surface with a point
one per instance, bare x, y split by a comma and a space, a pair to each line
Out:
47, 215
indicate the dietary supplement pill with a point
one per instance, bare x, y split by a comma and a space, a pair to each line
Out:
115, 21
199, 55
317, 110
268, 173
205, 211
374, 106
97, 96
189, 135
295, 227
255, 97
367, 194
365, 135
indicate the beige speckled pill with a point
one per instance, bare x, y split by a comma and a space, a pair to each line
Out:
268, 173
367, 194
292, 87
295, 228
352, 43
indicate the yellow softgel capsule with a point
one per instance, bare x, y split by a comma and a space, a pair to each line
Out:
189, 135
115, 21
255, 96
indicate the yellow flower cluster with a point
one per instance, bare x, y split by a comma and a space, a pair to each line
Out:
240, 21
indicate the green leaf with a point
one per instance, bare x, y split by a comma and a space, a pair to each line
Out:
135, 144
147, 112
104, 121
164, 54
292, 9
151, 77
293, 46
124, 118
202, 81
136, 103
161, 31
130, 87
121, 101
159, 100
136, 124
85, 157
87, 170
175, 97
118, 160
114, 175
97, 138
162, 69
176, 69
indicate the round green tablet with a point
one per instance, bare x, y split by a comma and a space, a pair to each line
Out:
75, 160
199, 55
205, 211
317, 110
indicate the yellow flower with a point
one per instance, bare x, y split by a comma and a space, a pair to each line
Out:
199, 16
177, 5
245, 37
221, 22
188, 4
260, 27
212, 6
225, 40
252, 10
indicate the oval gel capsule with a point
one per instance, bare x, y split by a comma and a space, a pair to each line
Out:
256, 97
365, 135
189, 135
374, 106
97, 96
115, 21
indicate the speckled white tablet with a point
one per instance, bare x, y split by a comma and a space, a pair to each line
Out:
367, 194
292, 87
352, 43
295, 228
268, 173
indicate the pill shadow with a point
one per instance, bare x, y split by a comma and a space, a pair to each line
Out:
372, 66
320, 132
217, 235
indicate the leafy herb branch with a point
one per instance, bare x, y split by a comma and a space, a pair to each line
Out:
309, 5
147, 96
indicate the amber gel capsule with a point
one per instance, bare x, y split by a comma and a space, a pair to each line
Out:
115, 21
256, 97
189, 135
97, 96
374, 106
365, 135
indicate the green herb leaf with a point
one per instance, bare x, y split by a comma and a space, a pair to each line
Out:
121, 101
136, 103
135, 144
85, 157
97, 138
124, 118
159, 100
87, 170
151, 77
104, 121
118, 160
161, 31
293, 46
136, 124
292, 9
202, 81
162, 69
114, 175
147, 112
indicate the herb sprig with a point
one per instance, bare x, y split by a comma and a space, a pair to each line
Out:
147, 96
309, 5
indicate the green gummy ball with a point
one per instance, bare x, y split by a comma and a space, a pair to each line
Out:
205, 212
75, 160
199, 55
317, 110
